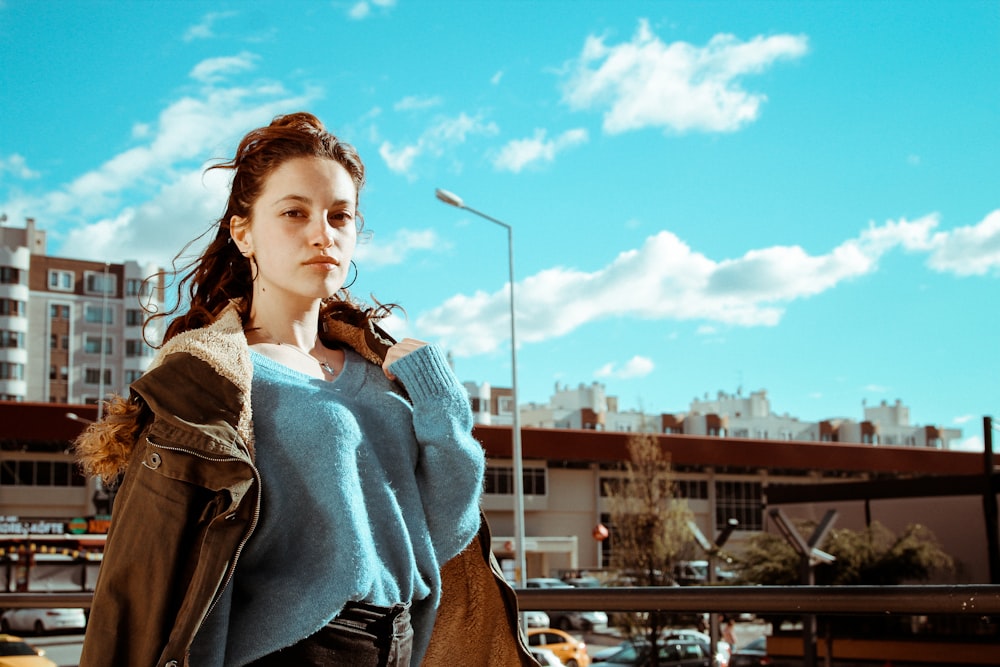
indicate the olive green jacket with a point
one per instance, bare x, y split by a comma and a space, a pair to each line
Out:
182, 445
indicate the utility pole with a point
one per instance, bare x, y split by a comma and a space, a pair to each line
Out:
990, 502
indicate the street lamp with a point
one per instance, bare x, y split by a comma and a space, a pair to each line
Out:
520, 569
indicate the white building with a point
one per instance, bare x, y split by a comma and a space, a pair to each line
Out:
735, 416
70, 330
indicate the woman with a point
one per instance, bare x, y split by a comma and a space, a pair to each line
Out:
296, 488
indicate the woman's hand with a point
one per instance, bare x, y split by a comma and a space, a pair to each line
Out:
398, 351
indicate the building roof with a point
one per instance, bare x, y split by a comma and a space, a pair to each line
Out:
585, 446
43, 421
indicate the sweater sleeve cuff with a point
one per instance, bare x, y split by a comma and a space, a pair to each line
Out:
426, 373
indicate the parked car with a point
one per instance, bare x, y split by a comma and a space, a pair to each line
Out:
585, 621
536, 619
40, 621
674, 653
544, 656
722, 649
15, 652
570, 650
602, 655
753, 654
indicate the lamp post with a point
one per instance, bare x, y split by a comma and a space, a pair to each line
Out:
104, 342
520, 570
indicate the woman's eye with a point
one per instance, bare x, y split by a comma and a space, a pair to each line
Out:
293, 213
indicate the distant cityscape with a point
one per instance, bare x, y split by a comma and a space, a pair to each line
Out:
727, 415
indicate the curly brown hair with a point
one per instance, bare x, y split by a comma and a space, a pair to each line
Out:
221, 274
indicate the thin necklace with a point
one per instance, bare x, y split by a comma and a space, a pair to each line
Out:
322, 362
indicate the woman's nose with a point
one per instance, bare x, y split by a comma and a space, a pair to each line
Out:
323, 236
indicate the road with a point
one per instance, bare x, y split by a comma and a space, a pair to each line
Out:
64, 650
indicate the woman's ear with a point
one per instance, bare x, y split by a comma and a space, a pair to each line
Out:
239, 231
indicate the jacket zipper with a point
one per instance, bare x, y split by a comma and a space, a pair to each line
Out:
253, 523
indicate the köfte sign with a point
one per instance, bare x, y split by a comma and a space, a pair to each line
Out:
95, 525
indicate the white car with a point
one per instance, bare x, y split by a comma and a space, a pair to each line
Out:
536, 619
586, 621
40, 621
544, 656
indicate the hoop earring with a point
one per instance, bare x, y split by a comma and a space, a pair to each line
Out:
254, 269
355, 267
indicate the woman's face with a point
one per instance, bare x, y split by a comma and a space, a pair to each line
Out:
302, 230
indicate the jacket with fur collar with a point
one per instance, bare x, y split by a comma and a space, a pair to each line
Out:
182, 445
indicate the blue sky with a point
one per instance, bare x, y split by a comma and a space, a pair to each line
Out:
800, 197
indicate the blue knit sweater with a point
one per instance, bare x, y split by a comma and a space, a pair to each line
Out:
364, 497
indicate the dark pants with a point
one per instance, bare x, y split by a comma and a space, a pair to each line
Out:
362, 635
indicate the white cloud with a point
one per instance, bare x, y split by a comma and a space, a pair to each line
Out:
664, 279
156, 230
444, 134
635, 367
206, 29
398, 248
190, 129
973, 443
416, 103
16, 165
363, 9
520, 153
214, 70
495, 79
968, 251
359, 10
679, 87
164, 170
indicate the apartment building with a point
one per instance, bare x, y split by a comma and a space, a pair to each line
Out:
731, 415
71, 330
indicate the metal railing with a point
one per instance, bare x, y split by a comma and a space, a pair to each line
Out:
958, 599
975, 599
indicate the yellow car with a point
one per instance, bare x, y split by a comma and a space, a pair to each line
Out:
15, 652
570, 650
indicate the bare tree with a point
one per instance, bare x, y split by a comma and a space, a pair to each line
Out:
649, 532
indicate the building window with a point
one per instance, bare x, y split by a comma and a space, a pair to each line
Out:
92, 314
100, 283
505, 405
137, 287
740, 500
137, 348
40, 473
500, 481
61, 280
59, 311
692, 489
58, 373
11, 371
9, 275
93, 376
11, 307
13, 339
131, 376
92, 345
12, 397
133, 317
